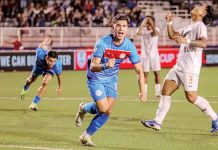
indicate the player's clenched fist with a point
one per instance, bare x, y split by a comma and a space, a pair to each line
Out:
111, 63
169, 16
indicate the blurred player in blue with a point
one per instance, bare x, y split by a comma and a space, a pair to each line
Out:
47, 64
102, 75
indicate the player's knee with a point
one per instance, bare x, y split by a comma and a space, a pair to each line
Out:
165, 91
109, 111
103, 110
191, 98
44, 84
31, 79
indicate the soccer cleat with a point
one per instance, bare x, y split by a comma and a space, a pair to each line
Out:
33, 106
23, 94
86, 141
80, 115
214, 126
151, 124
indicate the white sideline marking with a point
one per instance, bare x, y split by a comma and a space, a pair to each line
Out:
31, 147
123, 98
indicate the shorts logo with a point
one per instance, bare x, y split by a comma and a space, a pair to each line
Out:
98, 93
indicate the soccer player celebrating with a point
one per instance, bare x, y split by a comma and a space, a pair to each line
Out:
192, 40
102, 74
149, 51
47, 64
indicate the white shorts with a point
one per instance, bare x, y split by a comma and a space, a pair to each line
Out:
188, 80
151, 64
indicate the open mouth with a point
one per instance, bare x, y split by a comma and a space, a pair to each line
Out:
120, 33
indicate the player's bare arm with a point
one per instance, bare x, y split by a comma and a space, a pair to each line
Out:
170, 29
139, 30
59, 88
139, 71
202, 42
96, 65
154, 30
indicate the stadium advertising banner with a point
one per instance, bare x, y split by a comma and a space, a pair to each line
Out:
210, 57
24, 60
167, 58
81, 59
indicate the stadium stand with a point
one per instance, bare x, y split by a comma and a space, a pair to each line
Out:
79, 23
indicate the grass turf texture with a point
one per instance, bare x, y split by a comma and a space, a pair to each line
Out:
52, 126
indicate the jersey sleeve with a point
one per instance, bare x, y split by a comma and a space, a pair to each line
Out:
58, 67
98, 49
202, 31
134, 57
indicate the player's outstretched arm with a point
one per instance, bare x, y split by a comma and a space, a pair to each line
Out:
140, 74
59, 88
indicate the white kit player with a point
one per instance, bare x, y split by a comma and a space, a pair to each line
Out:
149, 51
192, 40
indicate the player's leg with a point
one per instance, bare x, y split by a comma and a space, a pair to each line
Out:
33, 76
146, 83
97, 92
104, 96
146, 69
155, 67
47, 77
105, 109
157, 83
170, 85
191, 87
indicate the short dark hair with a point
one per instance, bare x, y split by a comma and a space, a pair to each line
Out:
53, 54
121, 17
208, 18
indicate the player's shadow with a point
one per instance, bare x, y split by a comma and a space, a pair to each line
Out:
13, 110
123, 148
189, 131
22, 110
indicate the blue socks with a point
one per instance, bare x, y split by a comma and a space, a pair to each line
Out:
36, 99
91, 108
97, 122
26, 87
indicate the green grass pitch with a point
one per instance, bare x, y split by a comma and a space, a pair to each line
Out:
52, 126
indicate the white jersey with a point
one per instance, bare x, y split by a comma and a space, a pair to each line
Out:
149, 44
190, 57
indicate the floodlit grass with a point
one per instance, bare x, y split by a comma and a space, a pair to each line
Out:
52, 126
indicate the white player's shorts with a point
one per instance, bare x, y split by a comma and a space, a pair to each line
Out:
188, 80
151, 64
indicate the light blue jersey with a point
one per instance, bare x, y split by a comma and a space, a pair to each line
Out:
107, 43
41, 66
104, 84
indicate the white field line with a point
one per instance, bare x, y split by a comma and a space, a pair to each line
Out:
124, 98
31, 147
